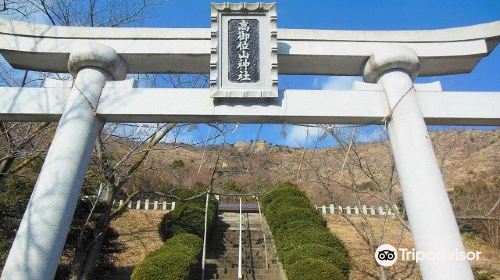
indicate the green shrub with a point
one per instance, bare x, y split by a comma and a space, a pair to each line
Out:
482, 274
188, 217
297, 225
285, 202
313, 269
177, 164
177, 259
232, 187
320, 252
283, 190
366, 186
306, 246
282, 217
182, 230
289, 240
184, 219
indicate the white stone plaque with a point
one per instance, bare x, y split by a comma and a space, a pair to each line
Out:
244, 55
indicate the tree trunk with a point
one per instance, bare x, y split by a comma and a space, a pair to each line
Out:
93, 253
382, 273
5, 166
86, 255
77, 264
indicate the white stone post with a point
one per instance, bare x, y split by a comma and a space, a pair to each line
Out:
381, 211
138, 205
396, 208
41, 235
364, 210
173, 206
356, 210
389, 210
348, 210
430, 215
323, 209
164, 207
155, 205
332, 209
146, 204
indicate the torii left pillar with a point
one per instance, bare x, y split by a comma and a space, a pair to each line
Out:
40, 238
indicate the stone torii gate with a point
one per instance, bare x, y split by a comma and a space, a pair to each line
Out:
388, 60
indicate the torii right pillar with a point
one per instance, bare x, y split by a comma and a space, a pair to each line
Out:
429, 210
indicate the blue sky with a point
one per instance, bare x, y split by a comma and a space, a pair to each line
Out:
347, 15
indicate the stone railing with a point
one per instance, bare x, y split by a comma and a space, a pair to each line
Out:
355, 210
149, 205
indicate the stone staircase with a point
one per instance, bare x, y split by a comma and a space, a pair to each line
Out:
222, 253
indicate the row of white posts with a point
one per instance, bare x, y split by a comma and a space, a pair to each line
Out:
355, 210
146, 205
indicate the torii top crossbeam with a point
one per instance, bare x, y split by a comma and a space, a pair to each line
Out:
187, 50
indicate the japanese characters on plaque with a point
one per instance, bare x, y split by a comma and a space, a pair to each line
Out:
243, 50
244, 59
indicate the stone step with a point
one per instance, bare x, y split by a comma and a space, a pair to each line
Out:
223, 249
245, 277
256, 271
246, 270
234, 255
232, 264
255, 250
234, 260
236, 239
236, 216
226, 224
234, 243
271, 274
236, 227
250, 275
222, 244
217, 235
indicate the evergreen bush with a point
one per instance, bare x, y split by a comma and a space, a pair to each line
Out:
182, 230
188, 217
291, 239
177, 259
320, 252
281, 217
314, 269
282, 190
305, 245
285, 202
297, 225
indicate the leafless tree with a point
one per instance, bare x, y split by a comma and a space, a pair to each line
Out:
363, 176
